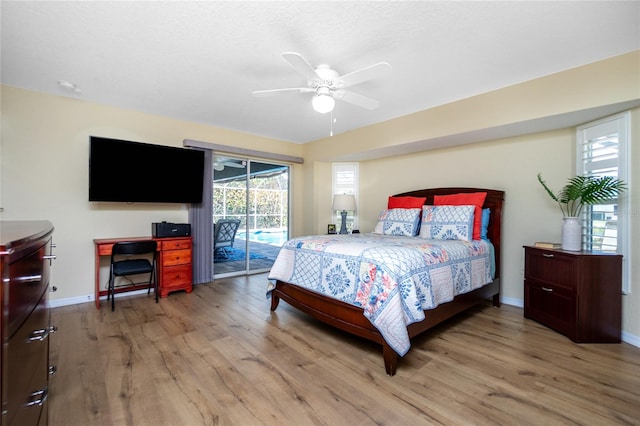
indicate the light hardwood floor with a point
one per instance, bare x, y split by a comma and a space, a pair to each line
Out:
218, 356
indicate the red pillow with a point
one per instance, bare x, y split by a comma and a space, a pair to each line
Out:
469, 199
406, 202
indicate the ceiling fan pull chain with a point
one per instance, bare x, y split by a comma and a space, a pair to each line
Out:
332, 121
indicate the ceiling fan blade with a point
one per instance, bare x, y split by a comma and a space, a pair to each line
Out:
368, 73
356, 99
300, 64
262, 93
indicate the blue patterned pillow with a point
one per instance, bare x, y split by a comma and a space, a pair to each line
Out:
447, 222
398, 222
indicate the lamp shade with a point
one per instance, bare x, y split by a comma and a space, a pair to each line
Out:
344, 202
323, 103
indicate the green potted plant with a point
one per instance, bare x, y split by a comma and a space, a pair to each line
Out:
578, 192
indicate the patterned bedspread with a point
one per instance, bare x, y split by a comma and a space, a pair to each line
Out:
393, 278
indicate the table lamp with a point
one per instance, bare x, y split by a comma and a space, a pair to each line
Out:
344, 203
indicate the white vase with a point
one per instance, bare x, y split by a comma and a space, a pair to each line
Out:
571, 234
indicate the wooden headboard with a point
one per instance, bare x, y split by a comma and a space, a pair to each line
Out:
493, 201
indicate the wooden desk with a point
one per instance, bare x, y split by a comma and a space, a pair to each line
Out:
173, 263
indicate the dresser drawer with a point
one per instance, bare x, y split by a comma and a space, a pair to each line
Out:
176, 244
173, 276
548, 266
28, 371
28, 280
176, 257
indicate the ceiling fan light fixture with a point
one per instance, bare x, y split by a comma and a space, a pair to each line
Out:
323, 103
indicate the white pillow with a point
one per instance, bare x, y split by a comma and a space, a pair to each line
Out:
398, 222
447, 222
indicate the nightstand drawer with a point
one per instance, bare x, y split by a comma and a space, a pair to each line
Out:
551, 267
550, 305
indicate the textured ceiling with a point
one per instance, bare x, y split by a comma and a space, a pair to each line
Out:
200, 61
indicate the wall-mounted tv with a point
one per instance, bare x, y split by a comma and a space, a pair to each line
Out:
129, 171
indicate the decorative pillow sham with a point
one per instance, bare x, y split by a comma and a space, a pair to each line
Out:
398, 222
486, 214
465, 199
406, 202
447, 222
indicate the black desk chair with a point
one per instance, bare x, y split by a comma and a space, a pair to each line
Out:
126, 260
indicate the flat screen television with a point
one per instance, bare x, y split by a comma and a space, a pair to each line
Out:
127, 171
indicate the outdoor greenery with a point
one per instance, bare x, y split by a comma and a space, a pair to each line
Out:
268, 201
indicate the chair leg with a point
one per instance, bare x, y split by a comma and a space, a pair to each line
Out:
153, 280
111, 292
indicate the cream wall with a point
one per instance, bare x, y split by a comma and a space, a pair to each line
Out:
44, 175
510, 163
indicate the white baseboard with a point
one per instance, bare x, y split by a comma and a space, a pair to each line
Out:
513, 302
631, 339
57, 303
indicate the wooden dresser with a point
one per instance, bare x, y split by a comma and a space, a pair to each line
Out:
175, 265
578, 294
25, 261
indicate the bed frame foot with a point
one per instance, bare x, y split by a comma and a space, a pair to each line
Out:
496, 300
274, 302
390, 359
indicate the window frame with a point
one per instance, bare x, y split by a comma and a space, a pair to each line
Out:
338, 188
622, 122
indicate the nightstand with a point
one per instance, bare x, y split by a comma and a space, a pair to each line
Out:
578, 294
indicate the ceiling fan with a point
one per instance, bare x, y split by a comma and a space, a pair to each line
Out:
327, 85
219, 163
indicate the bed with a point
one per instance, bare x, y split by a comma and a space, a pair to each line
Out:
361, 318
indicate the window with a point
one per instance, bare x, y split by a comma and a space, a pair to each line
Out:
345, 181
603, 150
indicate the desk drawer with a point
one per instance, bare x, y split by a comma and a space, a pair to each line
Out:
176, 257
176, 276
176, 244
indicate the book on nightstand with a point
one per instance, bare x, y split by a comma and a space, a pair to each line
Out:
547, 245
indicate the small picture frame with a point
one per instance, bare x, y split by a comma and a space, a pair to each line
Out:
331, 228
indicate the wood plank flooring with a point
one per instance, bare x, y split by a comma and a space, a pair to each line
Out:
218, 356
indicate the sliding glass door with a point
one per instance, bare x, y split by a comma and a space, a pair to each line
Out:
250, 212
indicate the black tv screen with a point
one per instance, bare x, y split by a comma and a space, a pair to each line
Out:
129, 171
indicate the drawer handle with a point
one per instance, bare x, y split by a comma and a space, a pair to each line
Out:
547, 255
29, 278
49, 257
53, 370
38, 397
53, 289
39, 335
53, 328
547, 289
